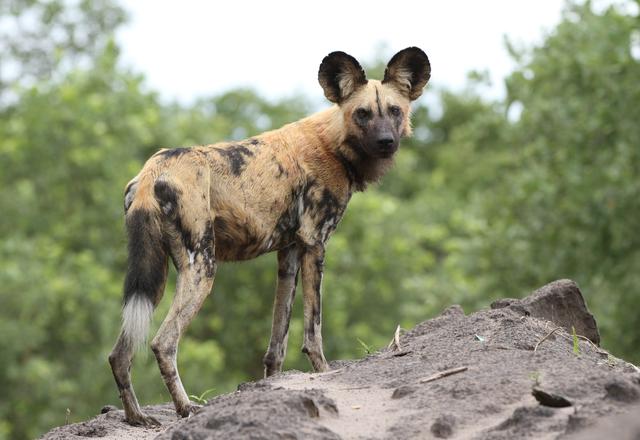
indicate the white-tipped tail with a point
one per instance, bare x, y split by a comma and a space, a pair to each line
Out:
136, 318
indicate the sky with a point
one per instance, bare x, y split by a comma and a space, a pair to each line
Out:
190, 49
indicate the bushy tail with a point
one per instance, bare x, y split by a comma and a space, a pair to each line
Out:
146, 274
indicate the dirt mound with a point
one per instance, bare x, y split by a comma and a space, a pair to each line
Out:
454, 376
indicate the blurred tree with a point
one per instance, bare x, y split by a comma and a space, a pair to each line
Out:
41, 38
568, 201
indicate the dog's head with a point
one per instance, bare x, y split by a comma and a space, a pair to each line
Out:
376, 113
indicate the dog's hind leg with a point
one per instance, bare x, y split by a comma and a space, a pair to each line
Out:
191, 290
192, 249
288, 265
120, 359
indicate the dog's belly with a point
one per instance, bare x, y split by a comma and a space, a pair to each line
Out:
242, 232
258, 209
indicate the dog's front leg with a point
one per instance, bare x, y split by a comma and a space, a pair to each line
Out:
312, 268
288, 265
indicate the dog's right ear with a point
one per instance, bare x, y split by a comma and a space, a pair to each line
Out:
340, 75
409, 71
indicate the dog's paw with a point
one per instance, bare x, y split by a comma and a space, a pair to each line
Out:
142, 419
189, 410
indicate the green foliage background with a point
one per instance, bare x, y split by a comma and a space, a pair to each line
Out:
491, 198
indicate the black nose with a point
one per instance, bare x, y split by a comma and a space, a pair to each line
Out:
385, 143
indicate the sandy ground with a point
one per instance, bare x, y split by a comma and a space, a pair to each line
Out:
507, 351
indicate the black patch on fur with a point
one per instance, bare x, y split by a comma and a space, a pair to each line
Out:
185, 235
349, 169
167, 196
310, 329
319, 265
307, 200
290, 305
147, 260
203, 245
269, 362
317, 308
165, 351
206, 246
121, 386
397, 121
323, 206
328, 206
378, 102
354, 144
362, 122
254, 142
237, 156
220, 226
289, 221
287, 270
354, 166
317, 318
286, 273
281, 170
172, 152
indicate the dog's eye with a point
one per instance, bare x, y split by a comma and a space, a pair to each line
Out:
362, 113
395, 110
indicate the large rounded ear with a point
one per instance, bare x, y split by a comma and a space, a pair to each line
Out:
409, 71
340, 75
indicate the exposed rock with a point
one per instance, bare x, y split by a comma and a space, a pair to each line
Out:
622, 390
403, 391
105, 409
443, 427
546, 398
560, 302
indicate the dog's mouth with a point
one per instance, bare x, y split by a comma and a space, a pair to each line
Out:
387, 153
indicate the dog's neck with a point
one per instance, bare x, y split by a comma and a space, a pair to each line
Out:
361, 168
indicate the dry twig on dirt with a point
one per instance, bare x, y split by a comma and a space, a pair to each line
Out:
395, 342
445, 373
595, 347
545, 337
325, 373
584, 338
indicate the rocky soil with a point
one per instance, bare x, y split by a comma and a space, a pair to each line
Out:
512, 371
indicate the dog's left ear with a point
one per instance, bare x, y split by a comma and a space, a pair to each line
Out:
409, 71
340, 75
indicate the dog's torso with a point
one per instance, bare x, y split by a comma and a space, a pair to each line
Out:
264, 193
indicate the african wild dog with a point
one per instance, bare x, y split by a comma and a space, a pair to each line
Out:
284, 190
